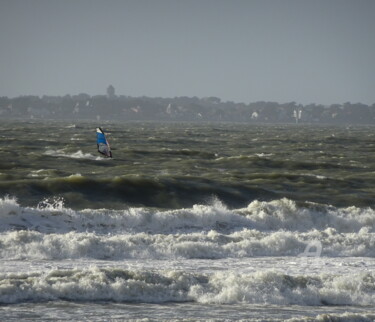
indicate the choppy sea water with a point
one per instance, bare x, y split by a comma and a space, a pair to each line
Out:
187, 222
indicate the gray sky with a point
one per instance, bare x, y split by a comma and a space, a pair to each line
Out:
320, 51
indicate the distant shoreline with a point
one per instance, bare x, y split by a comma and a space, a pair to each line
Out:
180, 109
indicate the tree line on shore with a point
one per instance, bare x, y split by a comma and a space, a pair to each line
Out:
126, 108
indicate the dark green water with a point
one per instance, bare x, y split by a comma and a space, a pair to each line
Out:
173, 165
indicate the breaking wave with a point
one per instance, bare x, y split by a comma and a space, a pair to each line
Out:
283, 214
26, 244
120, 285
277, 228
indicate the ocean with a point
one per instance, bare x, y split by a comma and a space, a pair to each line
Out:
187, 222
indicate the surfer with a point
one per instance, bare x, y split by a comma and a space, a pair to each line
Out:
102, 143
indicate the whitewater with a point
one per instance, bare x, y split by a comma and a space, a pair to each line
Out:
187, 222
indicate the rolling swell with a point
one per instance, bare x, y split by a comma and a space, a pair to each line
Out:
262, 162
179, 165
164, 192
173, 192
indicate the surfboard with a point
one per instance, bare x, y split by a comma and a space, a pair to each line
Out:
102, 143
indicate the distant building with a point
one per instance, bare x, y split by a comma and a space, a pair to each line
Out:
111, 92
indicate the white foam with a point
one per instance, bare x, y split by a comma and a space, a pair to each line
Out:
234, 157
284, 214
344, 317
264, 155
27, 244
320, 177
76, 155
133, 219
262, 216
275, 288
120, 285
41, 173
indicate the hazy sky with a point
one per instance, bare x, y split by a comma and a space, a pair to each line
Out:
320, 51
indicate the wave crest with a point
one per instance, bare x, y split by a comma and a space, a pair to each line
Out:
52, 216
119, 285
